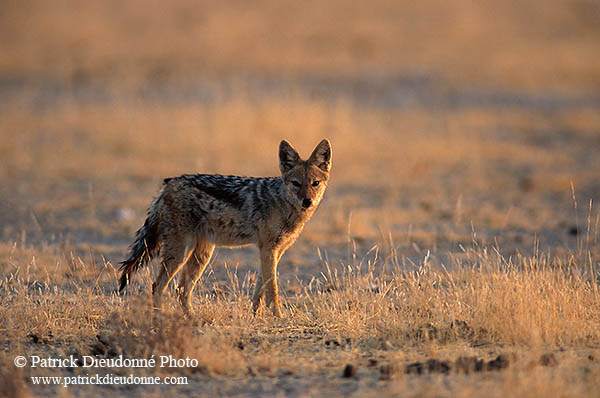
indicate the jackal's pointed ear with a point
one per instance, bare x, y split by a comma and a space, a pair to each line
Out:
321, 156
288, 157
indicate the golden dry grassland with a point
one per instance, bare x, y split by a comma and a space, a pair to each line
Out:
456, 252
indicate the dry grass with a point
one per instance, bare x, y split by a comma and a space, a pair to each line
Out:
379, 321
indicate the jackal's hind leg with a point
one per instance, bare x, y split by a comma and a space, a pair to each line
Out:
193, 272
174, 254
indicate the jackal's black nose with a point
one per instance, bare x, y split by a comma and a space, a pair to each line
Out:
306, 203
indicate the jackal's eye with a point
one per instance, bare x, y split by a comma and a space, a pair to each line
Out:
316, 183
295, 183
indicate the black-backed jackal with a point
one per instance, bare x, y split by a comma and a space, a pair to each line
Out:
194, 213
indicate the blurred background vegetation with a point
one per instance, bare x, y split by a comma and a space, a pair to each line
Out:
523, 45
446, 117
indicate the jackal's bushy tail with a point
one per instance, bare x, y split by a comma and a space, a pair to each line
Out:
143, 249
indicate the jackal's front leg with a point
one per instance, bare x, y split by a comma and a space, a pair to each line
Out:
268, 278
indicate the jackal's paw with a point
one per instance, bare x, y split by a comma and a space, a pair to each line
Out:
277, 313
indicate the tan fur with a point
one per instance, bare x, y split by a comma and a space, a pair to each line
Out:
194, 213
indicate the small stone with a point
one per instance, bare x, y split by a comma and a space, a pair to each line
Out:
502, 361
467, 365
548, 359
37, 339
286, 372
526, 184
414, 368
350, 371
437, 366
103, 338
98, 349
112, 353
